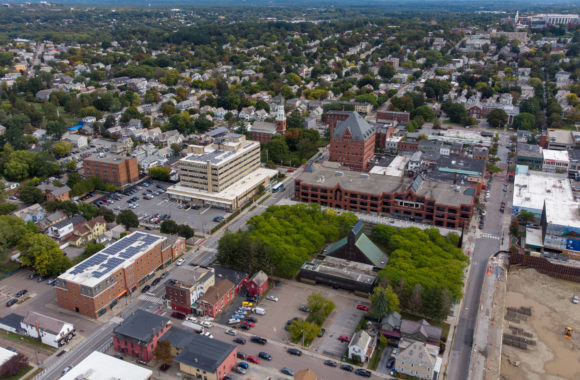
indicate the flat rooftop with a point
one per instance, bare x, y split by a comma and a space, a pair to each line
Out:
556, 155
396, 168
532, 188
229, 194
217, 156
562, 214
560, 136
461, 136
442, 193
108, 158
99, 366
351, 270
122, 253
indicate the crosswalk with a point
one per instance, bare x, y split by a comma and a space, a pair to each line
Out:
489, 236
152, 299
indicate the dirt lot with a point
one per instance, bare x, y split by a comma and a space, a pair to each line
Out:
554, 356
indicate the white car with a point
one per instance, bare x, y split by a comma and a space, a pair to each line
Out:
206, 324
179, 262
191, 319
231, 332
208, 334
272, 298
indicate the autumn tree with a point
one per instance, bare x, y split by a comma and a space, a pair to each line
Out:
163, 353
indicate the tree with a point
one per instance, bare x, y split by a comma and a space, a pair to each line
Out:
30, 194
320, 308
415, 303
128, 219
384, 301
55, 128
107, 214
278, 150
92, 248
176, 148
14, 366
497, 118
7, 208
387, 71
43, 254
300, 329
525, 217
168, 227
531, 106
160, 172
12, 229
424, 111
295, 120
525, 121
62, 148
163, 353
456, 112
185, 231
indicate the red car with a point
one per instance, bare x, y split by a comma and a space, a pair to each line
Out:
249, 324
362, 307
253, 359
344, 338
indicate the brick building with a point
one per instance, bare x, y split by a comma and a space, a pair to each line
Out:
408, 146
55, 193
139, 333
438, 203
96, 284
401, 117
333, 117
186, 285
114, 169
217, 298
352, 143
258, 284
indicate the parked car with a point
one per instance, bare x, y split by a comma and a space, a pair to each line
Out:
11, 302
330, 363
391, 362
240, 370
362, 307
245, 327
180, 262
251, 319
21, 293
265, 355
145, 288
259, 340
155, 282
218, 219
344, 338
287, 371
239, 340
575, 300
119, 357
363, 372
321, 333
178, 315
253, 359
231, 332
304, 308
66, 369
164, 274
294, 351
243, 365
241, 355
272, 298
346, 367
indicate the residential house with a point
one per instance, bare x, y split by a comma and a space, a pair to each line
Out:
217, 298
391, 325
51, 331
420, 331
62, 230
416, 360
55, 193
86, 231
258, 284
239, 279
33, 213
51, 219
361, 345
77, 141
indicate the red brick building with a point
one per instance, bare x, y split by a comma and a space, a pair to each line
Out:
333, 117
258, 284
408, 146
438, 203
352, 143
96, 284
138, 335
55, 193
186, 284
217, 298
401, 117
114, 169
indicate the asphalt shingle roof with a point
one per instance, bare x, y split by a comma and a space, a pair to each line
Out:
141, 325
204, 353
358, 127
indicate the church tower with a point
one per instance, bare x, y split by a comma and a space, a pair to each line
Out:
280, 118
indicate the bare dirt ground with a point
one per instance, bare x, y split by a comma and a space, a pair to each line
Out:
554, 356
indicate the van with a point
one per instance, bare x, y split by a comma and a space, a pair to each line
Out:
575, 300
259, 310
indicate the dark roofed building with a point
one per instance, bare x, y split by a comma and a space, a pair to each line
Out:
357, 246
139, 333
205, 358
420, 331
339, 273
238, 278
216, 298
352, 143
391, 325
530, 155
11, 322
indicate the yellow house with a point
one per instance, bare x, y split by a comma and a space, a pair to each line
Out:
87, 231
20, 67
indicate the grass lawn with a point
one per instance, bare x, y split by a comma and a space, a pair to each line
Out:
19, 375
26, 340
375, 359
449, 122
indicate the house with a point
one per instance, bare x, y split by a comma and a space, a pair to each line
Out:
77, 141
9, 185
44, 95
357, 246
186, 284
420, 331
99, 366
34, 213
361, 345
217, 298
62, 230
86, 231
416, 360
51, 219
52, 332
391, 325
258, 284
139, 333
55, 193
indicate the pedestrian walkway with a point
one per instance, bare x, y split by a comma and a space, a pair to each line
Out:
152, 299
489, 236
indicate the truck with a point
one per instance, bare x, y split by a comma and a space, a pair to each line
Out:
259, 310
194, 326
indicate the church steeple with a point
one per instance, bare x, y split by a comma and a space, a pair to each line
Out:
280, 118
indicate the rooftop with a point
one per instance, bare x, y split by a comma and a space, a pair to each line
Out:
108, 158
556, 155
532, 188
122, 253
218, 154
529, 150
54, 190
358, 128
204, 353
44, 322
560, 136
333, 266
443, 193
563, 214
417, 352
142, 325
233, 275
99, 366
190, 275
216, 292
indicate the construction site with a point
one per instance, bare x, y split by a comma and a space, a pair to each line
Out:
541, 327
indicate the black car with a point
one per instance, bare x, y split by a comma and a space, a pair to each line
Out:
346, 367
330, 363
363, 372
259, 340
321, 333
145, 288
21, 293
294, 351
304, 308
265, 355
245, 327
119, 357
178, 315
251, 319
241, 355
239, 340
390, 363
156, 281
11, 302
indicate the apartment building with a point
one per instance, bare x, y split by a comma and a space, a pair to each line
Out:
224, 173
186, 285
353, 142
113, 169
96, 284
439, 203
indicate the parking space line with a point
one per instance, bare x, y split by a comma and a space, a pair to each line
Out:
204, 211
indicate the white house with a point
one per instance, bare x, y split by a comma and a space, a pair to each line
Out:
361, 345
52, 332
77, 141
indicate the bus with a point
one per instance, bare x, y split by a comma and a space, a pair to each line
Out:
278, 187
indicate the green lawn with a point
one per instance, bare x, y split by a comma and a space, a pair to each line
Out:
28, 341
449, 122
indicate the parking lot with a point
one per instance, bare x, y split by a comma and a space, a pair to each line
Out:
200, 219
291, 295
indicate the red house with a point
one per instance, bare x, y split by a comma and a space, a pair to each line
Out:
257, 284
217, 298
139, 333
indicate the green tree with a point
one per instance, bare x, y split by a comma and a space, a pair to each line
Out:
387, 71
497, 118
7, 208
107, 214
55, 128
92, 248
169, 227
525, 121
30, 194
301, 330
12, 229
278, 150
525, 217
424, 111
319, 308
176, 148
43, 254
384, 301
62, 148
295, 120
160, 172
128, 219
456, 112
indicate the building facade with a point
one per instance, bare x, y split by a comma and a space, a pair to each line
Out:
186, 285
138, 334
401, 117
258, 284
353, 143
98, 283
217, 298
116, 170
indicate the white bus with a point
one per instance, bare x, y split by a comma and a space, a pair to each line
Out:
278, 187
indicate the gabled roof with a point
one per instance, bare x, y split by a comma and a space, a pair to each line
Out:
260, 278
358, 128
393, 320
204, 353
216, 292
361, 339
141, 325
371, 251
417, 352
420, 327
236, 277
44, 322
